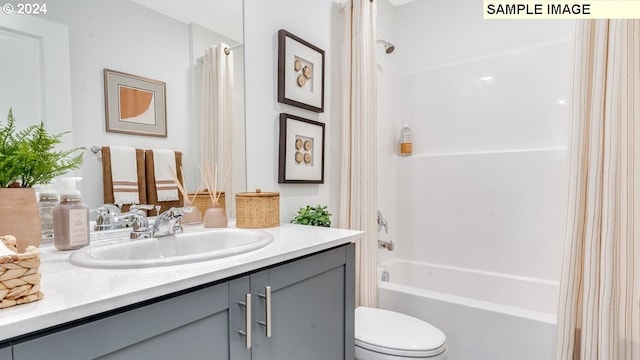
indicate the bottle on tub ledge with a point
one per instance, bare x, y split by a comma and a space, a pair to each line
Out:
406, 141
70, 218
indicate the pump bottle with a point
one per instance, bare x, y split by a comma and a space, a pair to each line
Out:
47, 202
70, 218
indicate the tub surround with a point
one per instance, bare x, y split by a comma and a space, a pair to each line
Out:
461, 303
73, 292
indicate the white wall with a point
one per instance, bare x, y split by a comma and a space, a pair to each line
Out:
485, 186
318, 22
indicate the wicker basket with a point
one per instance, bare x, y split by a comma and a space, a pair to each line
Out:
257, 209
202, 200
19, 276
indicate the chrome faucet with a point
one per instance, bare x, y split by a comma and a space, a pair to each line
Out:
382, 223
109, 216
167, 223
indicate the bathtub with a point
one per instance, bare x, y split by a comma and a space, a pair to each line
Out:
485, 315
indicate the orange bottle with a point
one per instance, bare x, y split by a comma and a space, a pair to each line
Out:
406, 140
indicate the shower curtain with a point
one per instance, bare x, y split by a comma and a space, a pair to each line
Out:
599, 305
358, 204
216, 125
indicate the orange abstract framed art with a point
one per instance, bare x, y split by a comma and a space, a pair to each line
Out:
134, 104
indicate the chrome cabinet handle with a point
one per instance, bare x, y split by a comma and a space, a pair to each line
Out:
247, 321
267, 310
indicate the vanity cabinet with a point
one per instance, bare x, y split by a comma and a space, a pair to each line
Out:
189, 326
5, 353
306, 304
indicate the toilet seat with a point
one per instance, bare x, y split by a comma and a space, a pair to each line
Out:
397, 334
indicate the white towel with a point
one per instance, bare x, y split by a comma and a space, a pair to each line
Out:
166, 187
124, 175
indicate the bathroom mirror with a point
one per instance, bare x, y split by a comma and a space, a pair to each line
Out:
158, 39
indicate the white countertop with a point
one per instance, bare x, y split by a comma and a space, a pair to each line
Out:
72, 292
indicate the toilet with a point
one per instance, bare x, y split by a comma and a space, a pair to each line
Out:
387, 335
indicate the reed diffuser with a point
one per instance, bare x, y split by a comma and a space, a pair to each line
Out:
191, 214
215, 216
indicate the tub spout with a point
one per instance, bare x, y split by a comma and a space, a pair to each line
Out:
386, 244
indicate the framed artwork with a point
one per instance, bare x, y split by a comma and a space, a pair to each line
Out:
301, 155
134, 104
300, 73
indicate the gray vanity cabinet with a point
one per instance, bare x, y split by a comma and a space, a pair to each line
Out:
5, 353
189, 326
307, 304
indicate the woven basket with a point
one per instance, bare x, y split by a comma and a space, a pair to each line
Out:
202, 200
257, 209
19, 276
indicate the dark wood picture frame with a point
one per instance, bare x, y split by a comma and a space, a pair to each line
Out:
300, 72
301, 150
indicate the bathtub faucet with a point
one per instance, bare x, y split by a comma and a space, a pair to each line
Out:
382, 223
385, 244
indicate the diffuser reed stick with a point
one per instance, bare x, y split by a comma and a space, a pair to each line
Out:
211, 180
177, 181
195, 194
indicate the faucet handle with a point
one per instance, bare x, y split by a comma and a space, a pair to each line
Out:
106, 214
141, 207
175, 213
110, 208
140, 223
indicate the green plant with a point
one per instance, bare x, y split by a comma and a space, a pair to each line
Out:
28, 157
316, 216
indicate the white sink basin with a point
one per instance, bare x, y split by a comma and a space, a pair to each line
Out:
188, 247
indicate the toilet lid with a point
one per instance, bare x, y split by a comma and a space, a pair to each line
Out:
397, 334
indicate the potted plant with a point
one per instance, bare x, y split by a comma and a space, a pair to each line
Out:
28, 157
316, 216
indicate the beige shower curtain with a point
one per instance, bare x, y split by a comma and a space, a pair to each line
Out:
216, 124
359, 171
599, 305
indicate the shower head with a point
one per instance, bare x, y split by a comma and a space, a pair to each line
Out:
388, 47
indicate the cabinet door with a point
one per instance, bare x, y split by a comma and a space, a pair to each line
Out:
312, 302
190, 326
5, 353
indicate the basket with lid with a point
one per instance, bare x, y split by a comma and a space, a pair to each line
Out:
257, 209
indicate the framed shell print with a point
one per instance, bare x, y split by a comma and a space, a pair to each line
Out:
301, 154
300, 73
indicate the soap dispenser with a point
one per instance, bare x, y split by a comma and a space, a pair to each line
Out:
70, 218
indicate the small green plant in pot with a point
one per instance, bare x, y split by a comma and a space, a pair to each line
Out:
316, 216
28, 157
